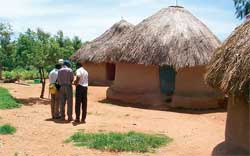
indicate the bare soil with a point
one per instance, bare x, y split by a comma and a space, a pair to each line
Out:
195, 133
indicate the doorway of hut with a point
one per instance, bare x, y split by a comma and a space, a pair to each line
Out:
167, 81
110, 68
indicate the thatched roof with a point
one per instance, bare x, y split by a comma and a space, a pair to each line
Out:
229, 69
172, 36
96, 50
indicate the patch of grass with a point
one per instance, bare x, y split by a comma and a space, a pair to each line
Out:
7, 129
6, 100
118, 142
31, 82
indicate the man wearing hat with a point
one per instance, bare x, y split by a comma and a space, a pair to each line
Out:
61, 61
65, 79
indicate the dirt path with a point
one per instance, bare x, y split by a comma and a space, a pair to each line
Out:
193, 134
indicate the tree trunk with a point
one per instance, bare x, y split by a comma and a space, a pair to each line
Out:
43, 81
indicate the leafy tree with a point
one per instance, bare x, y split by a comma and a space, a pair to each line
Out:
67, 46
77, 43
242, 8
60, 38
26, 46
34, 49
7, 47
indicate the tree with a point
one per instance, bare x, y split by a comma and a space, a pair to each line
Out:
38, 49
77, 43
242, 8
34, 49
67, 46
7, 47
26, 47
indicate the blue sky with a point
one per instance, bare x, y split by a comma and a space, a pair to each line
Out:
90, 18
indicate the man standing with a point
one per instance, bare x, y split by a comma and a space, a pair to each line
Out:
81, 83
53, 75
65, 79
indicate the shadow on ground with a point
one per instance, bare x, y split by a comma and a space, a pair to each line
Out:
162, 107
58, 121
223, 149
34, 101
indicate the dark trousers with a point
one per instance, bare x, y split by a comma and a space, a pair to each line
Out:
81, 101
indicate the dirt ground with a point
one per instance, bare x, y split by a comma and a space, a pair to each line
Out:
194, 134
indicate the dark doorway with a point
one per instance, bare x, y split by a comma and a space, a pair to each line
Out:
110, 68
167, 80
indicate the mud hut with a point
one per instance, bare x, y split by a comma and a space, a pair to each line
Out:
162, 56
229, 71
94, 54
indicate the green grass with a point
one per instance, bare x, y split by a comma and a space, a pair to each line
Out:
7, 129
118, 142
6, 100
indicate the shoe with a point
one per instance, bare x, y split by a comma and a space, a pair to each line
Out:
70, 119
62, 118
77, 121
57, 117
83, 121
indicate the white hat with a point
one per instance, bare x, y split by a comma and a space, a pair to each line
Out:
60, 61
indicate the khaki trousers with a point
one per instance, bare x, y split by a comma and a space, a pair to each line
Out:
55, 105
66, 95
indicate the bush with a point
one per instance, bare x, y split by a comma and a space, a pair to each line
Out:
22, 74
7, 129
132, 141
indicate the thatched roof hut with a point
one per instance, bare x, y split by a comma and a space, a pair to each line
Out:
96, 50
94, 54
171, 37
229, 70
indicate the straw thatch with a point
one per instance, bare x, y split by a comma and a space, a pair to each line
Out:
229, 69
172, 36
97, 50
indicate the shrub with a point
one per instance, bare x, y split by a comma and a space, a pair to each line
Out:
22, 74
7, 129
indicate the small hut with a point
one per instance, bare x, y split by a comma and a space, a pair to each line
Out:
165, 55
229, 71
94, 54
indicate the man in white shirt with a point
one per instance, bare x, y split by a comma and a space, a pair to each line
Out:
81, 83
53, 75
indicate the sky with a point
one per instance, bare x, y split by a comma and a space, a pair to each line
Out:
90, 18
